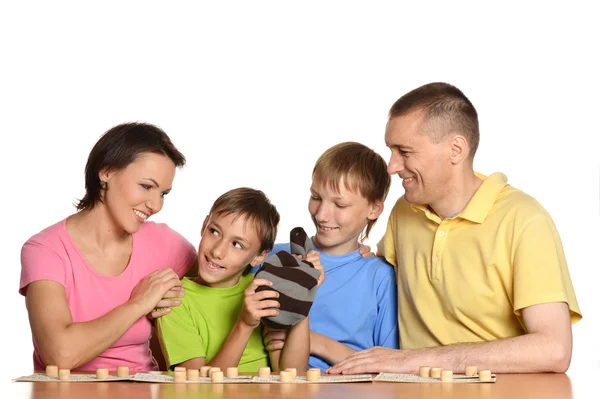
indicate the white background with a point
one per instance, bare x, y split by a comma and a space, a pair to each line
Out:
253, 92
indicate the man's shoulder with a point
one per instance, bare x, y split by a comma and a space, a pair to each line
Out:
512, 202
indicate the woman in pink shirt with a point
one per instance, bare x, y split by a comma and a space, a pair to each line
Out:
91, 279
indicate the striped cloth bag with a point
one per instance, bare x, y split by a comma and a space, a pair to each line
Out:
294, 279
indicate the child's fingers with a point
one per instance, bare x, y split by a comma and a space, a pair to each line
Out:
259, 296
276, 335
259, 314
274, 345
267, 304
257, 282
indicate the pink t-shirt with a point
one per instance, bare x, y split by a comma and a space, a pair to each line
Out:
52, 255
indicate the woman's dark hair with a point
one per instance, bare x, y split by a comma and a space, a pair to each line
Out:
117, 148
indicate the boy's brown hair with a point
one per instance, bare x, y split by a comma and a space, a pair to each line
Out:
255, 207
362, 170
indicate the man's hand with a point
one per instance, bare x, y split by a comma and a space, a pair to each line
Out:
365, 251
375, 360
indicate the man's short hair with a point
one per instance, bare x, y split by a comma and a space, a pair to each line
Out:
445, 109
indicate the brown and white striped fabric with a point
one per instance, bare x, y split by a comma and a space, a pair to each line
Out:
294, 279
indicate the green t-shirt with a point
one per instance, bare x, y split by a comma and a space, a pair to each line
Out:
199, 326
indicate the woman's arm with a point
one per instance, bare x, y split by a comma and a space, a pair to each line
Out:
69, 345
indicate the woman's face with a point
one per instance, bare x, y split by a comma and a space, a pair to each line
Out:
135, 193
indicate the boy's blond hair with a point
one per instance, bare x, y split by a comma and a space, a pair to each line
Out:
255, 207
362, 170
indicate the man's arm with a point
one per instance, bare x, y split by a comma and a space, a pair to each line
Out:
546, 347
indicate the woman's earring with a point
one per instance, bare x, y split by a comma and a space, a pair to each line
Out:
102, 184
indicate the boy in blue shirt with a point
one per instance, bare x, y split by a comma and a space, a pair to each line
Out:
356, 306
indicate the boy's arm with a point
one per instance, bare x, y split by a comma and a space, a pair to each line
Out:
256, 305
296, 350
329, 349
233, 348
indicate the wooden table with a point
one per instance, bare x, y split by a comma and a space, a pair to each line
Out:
507, 386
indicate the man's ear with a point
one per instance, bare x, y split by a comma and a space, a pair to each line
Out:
260, 258
376, 209
204, 225
459, 148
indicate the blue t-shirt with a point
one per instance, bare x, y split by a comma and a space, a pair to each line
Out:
357, 304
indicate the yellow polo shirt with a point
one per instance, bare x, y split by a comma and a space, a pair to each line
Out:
466, 279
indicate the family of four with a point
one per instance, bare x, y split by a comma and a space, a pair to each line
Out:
470, 271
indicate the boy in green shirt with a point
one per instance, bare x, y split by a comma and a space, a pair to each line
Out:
216, 323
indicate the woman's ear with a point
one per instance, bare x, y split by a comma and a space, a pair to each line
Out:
376, 209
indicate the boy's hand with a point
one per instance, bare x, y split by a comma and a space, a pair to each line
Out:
314, 257
257, 304
273, 339
365, 251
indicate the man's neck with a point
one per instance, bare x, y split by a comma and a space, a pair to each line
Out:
456, 199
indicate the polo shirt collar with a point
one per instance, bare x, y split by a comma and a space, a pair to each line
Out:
485, 197
482, 202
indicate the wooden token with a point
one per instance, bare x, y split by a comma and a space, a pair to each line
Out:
471, 371
436, 372
232, 372
52, 371
64, 374
101, 374
447, 375
264, 371
123, 371
216, 376
485, 375
293, 371
180, 376
192, 374
204, 371
313, 374
285, 376
424, 371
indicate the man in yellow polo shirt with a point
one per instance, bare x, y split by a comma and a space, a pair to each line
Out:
482, 276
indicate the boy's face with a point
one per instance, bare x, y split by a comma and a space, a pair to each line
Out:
229, 243
339, 217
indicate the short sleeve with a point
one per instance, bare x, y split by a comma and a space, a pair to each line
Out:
386, 246
38, 262
540, 268
179, 337
386, 327
182, 253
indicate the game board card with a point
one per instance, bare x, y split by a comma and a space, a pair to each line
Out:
72, 378
325, 379
460, 378
169, 379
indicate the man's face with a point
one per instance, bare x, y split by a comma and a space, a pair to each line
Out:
423, 166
